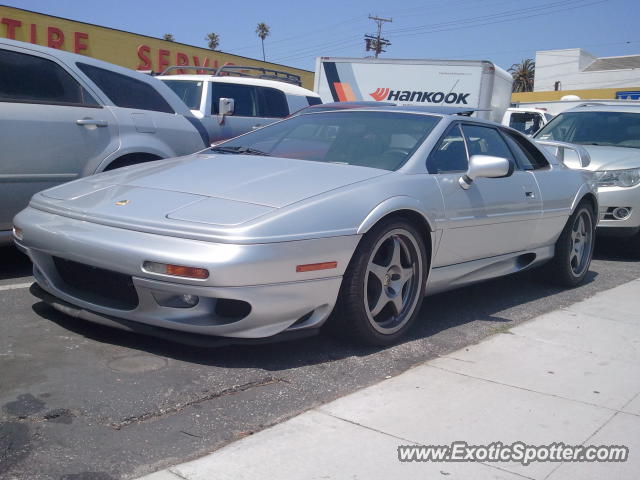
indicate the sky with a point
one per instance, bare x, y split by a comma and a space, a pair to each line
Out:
502, 31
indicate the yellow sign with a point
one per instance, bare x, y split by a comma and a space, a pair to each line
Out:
553, 95
127, 49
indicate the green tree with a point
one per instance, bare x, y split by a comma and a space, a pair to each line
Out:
168, 37
263, 31
213, 40
523, 74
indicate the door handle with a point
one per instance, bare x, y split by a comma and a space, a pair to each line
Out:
91, 121
530, 194
255, 127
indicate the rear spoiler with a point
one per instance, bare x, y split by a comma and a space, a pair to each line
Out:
558, 149
241, 71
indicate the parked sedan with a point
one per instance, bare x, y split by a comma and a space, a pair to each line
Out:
349, 215
611, 135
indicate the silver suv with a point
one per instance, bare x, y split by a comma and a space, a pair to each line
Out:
65, 116
233, 99
611, 135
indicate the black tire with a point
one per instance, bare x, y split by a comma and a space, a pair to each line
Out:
352, 316
566, 269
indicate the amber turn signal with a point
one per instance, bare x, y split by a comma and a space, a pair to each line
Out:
310, 267
176, 270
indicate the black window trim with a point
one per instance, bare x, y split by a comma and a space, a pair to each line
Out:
130, 77
254, 94
259, 90
51, 102
505, 131
45, 102
448, 130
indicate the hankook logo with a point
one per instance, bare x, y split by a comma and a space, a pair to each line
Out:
456, 98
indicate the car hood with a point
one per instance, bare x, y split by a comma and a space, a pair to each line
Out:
223, 190
612, 158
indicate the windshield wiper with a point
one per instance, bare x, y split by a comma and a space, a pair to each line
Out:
240, 150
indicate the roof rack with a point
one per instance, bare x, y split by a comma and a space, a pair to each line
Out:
242, 71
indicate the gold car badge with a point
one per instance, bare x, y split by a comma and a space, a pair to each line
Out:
121, 203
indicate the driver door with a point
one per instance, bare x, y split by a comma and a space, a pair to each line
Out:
494, 216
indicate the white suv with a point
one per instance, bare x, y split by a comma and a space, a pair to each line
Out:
65, 116
237, 99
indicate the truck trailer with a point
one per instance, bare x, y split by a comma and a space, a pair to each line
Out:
477, 84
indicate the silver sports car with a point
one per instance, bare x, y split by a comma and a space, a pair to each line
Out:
348, 216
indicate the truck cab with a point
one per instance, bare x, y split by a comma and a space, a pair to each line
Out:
526, 120
232, 100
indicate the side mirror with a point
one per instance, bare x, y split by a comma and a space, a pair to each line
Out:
485, 166
226, 106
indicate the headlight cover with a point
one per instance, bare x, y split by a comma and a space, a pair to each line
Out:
619, 178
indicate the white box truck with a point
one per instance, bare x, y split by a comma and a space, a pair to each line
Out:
477, 84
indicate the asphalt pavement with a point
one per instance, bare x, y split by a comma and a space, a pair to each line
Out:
567, 378
83, 402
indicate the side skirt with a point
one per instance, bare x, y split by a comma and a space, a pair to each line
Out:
461, 274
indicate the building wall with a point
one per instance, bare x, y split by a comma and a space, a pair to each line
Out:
138, 52
567, 65
588, 94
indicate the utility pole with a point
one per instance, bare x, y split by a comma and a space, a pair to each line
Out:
376, 42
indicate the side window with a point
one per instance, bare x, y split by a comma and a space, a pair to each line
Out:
534, 158
30, 79
125, 91
244, 96
314, 101
450, 155
273, 103
483, 140
526, 122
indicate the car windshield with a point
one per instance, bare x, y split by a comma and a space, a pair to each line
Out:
371, 139
189, 91
617, 129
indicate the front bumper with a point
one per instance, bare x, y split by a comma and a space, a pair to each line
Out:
610, 198
262, 275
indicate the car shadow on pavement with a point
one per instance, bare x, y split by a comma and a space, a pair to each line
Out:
617, 249
477, 303
13, 263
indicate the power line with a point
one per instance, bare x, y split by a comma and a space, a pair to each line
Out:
376, 43
540, 10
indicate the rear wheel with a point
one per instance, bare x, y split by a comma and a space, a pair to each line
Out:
382, 290
574, 249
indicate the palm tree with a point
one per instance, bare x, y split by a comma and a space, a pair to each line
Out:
263, 32
168, 37
523, 74
213, 40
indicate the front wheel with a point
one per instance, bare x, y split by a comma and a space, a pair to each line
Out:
574, 249
382, 290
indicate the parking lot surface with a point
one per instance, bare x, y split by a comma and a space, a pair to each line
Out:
79, 401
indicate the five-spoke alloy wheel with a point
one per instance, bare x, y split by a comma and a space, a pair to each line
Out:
383, 287
574, 248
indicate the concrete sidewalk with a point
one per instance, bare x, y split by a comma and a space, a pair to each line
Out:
569, 376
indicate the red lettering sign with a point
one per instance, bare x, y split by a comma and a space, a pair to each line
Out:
163, 61
11, 26
34, 34
143, 55
78, 44
55, 37
182, 59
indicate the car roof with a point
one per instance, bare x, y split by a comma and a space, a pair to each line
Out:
426, 110
605, 107
260, 82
